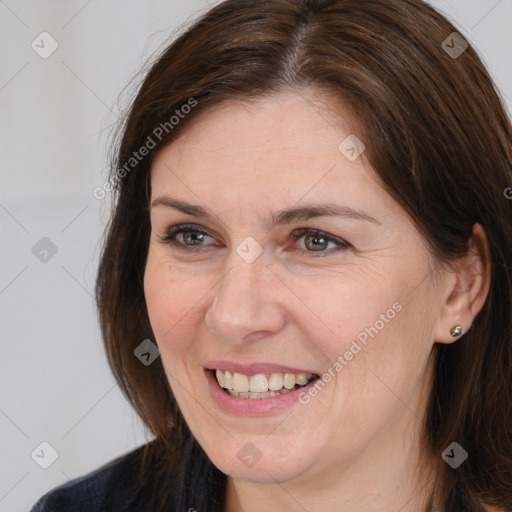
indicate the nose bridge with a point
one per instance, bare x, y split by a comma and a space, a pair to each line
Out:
241, 283
242, 303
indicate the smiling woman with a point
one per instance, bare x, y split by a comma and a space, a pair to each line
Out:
320, 249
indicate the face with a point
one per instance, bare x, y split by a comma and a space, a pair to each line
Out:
344, 297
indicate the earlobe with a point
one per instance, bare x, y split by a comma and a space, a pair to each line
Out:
467, 289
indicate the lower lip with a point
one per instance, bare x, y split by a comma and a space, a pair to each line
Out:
252, 406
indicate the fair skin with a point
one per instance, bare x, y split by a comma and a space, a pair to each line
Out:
356, 442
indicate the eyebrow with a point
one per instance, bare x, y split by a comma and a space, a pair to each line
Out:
286, 216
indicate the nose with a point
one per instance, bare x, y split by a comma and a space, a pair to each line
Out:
246, 305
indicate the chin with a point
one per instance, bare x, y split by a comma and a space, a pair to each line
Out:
259, 461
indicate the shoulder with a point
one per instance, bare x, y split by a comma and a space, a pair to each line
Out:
110, 487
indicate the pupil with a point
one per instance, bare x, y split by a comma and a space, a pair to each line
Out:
193, 237
315, 239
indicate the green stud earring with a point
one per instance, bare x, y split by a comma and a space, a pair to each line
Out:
456, 330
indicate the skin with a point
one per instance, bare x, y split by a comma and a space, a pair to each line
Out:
356, 442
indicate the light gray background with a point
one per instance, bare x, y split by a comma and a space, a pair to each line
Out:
55, 118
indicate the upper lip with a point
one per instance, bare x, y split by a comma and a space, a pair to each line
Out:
255, 368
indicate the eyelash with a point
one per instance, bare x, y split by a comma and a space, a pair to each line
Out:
170, 239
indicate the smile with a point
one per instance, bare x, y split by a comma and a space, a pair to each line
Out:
233, 386
261, 385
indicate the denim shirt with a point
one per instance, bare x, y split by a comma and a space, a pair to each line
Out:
110, 488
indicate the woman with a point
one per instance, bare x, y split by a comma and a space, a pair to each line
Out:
312, 226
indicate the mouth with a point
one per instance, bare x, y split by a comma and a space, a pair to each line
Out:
261, 385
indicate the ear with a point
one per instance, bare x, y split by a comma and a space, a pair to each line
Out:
467, 288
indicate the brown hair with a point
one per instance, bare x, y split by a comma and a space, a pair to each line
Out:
437, 134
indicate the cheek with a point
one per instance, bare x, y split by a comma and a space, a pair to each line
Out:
170, 303
366, 327
343, 308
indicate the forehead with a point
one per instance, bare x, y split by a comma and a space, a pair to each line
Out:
288, 140
284, 119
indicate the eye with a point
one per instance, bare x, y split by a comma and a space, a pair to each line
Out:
189, 238
316, 241
192, 237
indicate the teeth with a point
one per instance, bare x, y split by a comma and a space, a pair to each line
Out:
276, 382
301, 379
240, 382
228, 380
259, 385
289, 380
252, 395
